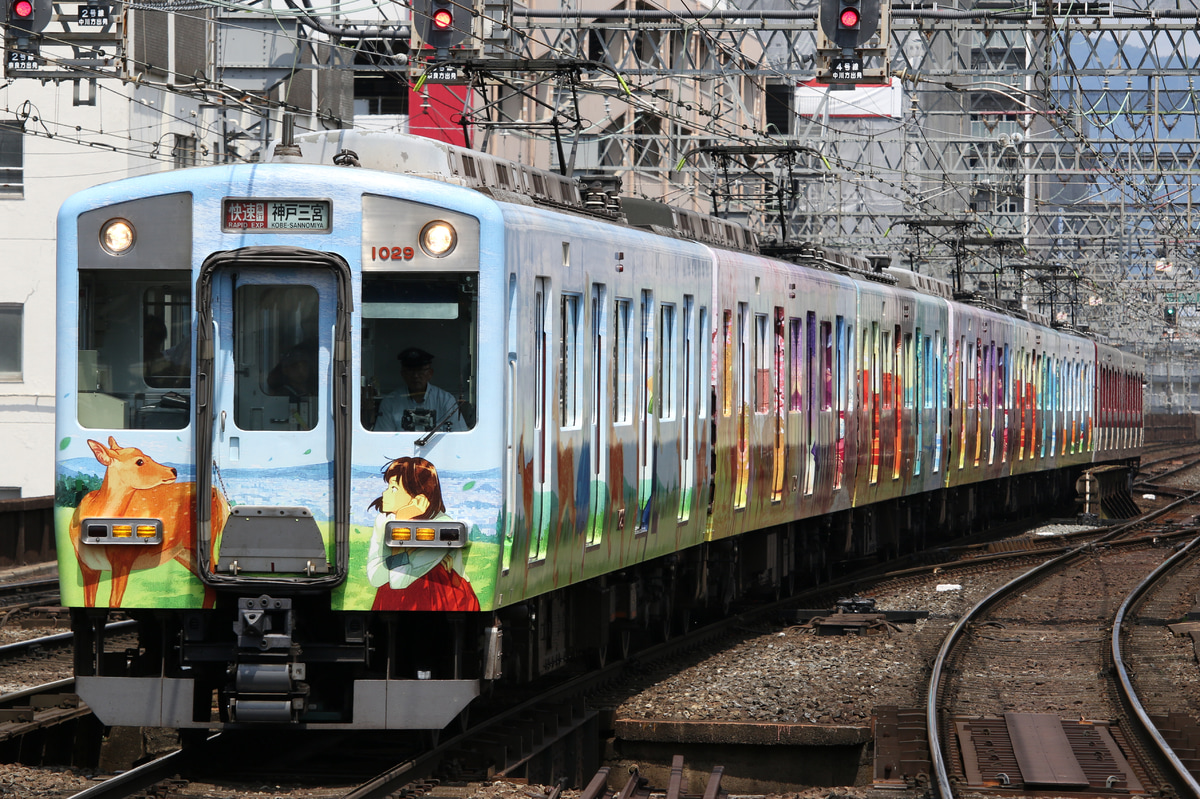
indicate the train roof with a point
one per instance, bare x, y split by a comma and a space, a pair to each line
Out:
596, 195
509, 181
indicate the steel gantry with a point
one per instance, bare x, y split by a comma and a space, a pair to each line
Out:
1068, 131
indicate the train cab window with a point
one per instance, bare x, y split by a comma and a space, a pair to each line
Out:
135, 350
419, 334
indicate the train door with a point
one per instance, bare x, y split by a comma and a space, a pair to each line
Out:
599, 422
272, 412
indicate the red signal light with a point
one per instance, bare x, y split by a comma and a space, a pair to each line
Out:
443, 19
23, 9
849, 18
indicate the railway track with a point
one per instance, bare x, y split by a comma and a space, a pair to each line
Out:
1021, 694
518, 740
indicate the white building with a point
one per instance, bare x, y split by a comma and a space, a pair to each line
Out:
57, 138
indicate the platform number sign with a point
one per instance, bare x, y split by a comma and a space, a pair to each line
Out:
20, 61
94, 16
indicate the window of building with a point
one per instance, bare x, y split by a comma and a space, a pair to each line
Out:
380, 83
12, 159
12, 317
185, 152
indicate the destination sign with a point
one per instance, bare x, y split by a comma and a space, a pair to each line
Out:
272, 216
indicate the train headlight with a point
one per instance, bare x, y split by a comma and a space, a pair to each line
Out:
117, 236
438, 239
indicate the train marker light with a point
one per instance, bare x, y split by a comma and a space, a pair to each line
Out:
438, 239
117, 236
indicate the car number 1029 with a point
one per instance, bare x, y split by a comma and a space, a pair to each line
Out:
392, 253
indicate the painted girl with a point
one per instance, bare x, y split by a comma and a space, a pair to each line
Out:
415, 578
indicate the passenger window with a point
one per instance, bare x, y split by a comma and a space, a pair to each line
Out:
622, 363
419, 339
135, 349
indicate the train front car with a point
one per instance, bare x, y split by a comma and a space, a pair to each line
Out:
278, 449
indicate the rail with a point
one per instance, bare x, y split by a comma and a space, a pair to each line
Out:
1129, 694
941, 776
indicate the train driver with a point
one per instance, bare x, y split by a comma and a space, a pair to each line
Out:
418, 406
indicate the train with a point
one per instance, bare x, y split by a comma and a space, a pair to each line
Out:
360, 432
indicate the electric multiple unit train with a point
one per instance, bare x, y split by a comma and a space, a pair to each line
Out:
356, 431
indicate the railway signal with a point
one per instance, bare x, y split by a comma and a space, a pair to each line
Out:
441, 24
26, 17
848, 24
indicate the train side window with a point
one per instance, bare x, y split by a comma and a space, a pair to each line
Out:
845, 346
727, 363
668, 359
135, 350
795, 368
622, 366
419, 338
826, 366
599, 412
741, 496
647, 432
927, 374
704, 368
687, 430
911, 375
941, 349
762, 365
887, 361
778, 387
875, 383
899, 383
570, 388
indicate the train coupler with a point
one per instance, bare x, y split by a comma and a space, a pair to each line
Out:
268, 692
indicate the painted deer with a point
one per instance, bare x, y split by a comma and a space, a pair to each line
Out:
137, 486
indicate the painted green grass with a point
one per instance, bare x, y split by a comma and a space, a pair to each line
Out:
172, 585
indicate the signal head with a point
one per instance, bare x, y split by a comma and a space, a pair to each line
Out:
27, 16
849, 18
443, 19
